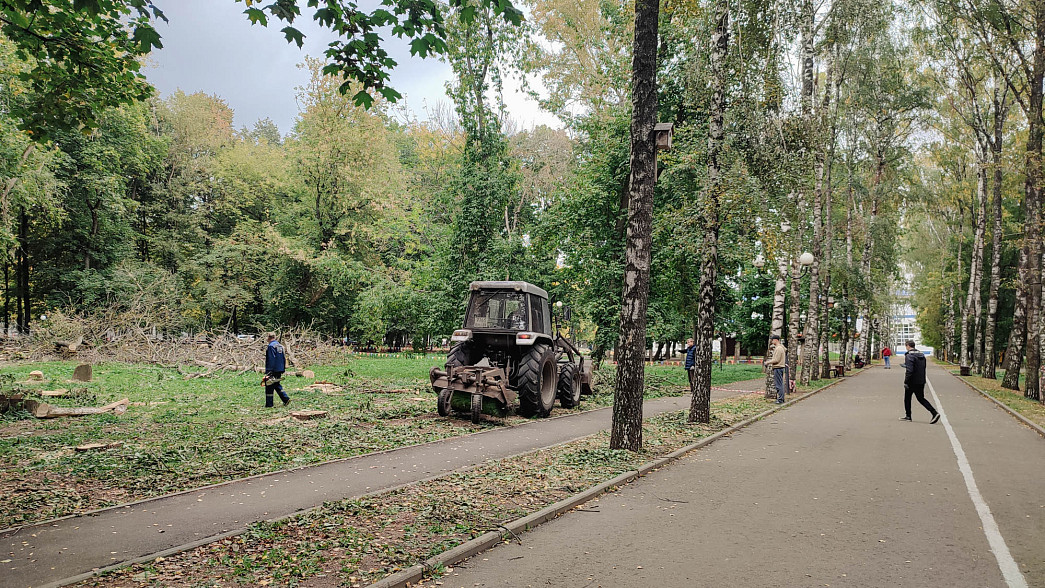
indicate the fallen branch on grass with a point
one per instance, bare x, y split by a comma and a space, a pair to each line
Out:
42, 410
96, 446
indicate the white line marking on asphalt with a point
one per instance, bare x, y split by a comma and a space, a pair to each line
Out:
1009, 569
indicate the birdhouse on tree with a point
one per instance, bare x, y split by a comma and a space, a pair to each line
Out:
663, 133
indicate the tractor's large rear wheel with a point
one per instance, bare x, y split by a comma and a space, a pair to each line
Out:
536, 380
569, 386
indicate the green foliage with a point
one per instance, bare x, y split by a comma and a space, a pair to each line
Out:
83, 57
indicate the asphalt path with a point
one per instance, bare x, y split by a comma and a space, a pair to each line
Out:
53, 552
833, 491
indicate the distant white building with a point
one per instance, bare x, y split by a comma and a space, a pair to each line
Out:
903, 324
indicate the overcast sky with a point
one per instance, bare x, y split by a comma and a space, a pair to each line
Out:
210, 46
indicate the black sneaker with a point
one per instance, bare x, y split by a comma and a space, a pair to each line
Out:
905, 418
936, 418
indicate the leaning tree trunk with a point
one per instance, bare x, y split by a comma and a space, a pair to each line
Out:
777, 324
626, 432
975, 268
700, 407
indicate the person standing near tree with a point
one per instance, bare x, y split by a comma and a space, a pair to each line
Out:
886, 354
691, 361
914, 383
275, 365
778, 363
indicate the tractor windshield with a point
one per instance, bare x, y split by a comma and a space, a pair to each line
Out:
498, 309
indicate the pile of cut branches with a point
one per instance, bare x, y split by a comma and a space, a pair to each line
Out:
125, 338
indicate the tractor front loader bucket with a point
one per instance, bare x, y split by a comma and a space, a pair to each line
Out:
474, 390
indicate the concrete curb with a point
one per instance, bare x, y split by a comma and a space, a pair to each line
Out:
1033, 426
413, 574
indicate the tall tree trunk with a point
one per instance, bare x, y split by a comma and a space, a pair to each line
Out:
990, 325
793, 318
822, 200
972, 298
813, 310
700, 406
7, 298
23, 272
807, 40
847, 341
777, 323
825, 326
626, 432
1032, 190
948, 326
1018, 333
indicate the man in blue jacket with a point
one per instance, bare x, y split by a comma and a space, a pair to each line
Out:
275, 365
691, 361
914, 383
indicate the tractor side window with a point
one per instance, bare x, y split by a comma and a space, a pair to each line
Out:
540, 314
547, 316
498, 310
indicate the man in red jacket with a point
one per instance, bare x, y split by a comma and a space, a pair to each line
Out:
886, 354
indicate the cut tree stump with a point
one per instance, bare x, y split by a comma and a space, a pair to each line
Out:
54, 393
36, 408
83, 373
311, 375
10, 401
308, 415
96, 446
36, 375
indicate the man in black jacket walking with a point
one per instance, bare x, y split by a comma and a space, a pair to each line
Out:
914, 383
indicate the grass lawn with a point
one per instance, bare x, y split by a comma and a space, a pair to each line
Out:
1033, 410
1030, 409
180, 434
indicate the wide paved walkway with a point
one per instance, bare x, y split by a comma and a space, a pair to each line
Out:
834, 491
51, 552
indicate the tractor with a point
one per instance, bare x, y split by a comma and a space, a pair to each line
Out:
506, 358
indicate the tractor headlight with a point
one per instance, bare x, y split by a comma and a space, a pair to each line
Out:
461, 335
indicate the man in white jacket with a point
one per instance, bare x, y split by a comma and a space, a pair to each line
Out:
778, 363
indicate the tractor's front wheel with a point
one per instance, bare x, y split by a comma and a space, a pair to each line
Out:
537, 378
569, 386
